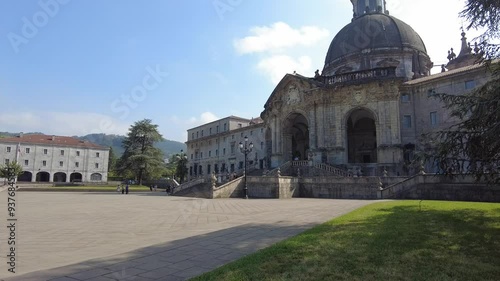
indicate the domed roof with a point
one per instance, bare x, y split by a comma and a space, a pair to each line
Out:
373, 31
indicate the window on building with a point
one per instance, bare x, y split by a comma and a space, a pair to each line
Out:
261, 145
217, 128
27, 150
210, 131
201, 155
97, 165
232, 148
61, 163
216, 152
232, 168
8, 149
210, 153
196, 155
202, 133
7, 161
62, 152
197, 134
192, 136
407, 121
405, 98
26, 162
239, 125
77, 164
232, 137
433, 117
251, 132
224, 151
240, 165
431, 92
216, 168
261, 130
45, 151
225, 127
78, 153
471, 84
44, 163
209, 169
241, 135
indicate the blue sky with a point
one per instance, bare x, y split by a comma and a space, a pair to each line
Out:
73, 67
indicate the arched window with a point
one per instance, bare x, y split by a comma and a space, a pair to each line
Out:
96, 177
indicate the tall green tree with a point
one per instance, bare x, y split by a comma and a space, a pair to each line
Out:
141, 158
472, 145
181, 169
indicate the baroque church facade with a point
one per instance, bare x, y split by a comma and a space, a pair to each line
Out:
373, 100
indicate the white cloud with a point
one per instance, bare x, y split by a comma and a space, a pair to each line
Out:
279, 36
62, 123
205, 117
277, 66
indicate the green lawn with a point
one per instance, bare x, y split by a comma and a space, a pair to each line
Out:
385, 241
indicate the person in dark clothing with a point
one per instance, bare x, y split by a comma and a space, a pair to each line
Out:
126, 189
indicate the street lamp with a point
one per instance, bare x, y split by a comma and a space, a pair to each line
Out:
246, 148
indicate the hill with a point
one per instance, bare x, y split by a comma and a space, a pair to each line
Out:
168, 147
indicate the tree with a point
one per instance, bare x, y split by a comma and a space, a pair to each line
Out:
472, 145
485, 14
181, 169
141, 158
16, 169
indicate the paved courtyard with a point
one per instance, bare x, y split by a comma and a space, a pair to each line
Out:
147, 236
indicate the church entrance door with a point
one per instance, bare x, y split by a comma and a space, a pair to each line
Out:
362, 137
296, 137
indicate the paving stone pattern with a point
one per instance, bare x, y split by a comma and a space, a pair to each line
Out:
147, 236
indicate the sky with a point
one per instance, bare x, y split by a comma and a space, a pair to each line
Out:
75, 67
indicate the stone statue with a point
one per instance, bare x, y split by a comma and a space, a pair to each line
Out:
213, 179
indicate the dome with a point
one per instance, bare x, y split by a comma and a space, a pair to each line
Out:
371, 32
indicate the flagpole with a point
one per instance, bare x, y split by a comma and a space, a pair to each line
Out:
18, 151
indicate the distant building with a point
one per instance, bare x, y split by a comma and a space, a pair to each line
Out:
56, 158
214, 147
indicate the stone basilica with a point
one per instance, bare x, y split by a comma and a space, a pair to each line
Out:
364, 113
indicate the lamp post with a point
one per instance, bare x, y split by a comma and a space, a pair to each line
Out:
245, 148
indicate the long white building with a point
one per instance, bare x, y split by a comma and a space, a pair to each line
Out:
47, 158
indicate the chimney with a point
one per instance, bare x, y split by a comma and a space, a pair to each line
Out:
53, 138
21, 134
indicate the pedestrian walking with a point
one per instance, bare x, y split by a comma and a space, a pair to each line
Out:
151, 188
118, 188
156, 186
126, 189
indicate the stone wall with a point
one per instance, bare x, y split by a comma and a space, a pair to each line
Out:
439, 187
339, 188
232, 189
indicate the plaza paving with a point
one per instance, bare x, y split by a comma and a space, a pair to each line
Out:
147, 236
